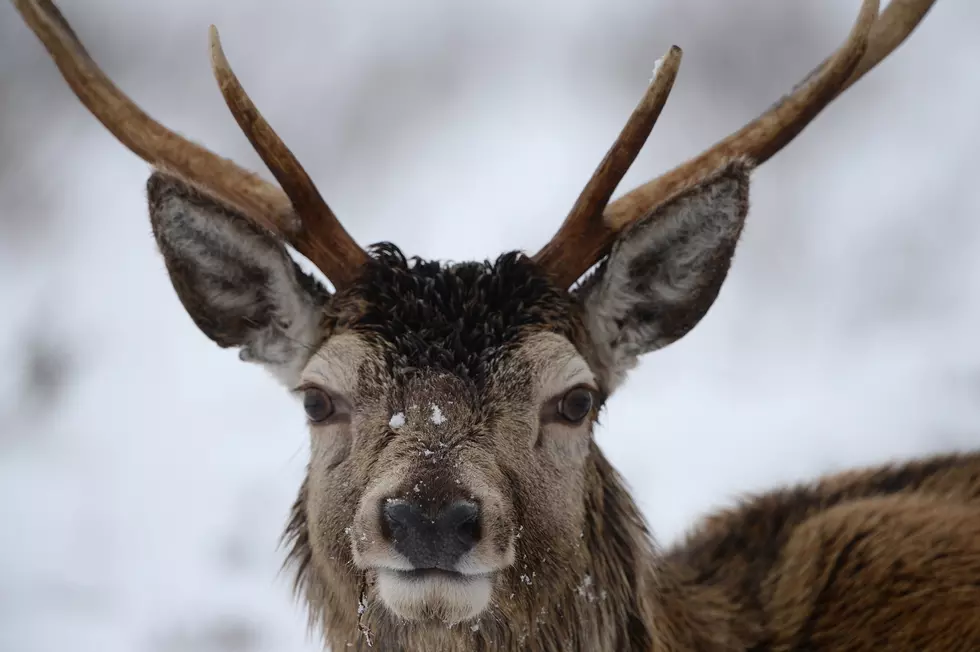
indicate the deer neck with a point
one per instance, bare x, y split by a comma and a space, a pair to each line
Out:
659, 604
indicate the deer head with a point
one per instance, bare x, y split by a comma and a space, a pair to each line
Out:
451, 407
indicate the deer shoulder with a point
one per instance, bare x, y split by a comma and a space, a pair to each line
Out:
884, 558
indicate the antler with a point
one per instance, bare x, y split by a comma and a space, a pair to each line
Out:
299, 215
323, 237
586, 237
302, 218
578, 232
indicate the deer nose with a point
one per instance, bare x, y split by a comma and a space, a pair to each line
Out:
432, 541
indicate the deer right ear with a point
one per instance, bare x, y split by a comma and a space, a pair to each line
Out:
237, 282
664, 272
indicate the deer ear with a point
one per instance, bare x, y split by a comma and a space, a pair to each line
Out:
664, 272
237, 282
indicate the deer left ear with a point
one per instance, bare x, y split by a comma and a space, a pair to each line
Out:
237, 282
664, 272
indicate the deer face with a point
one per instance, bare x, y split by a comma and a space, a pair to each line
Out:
460, 409
450, 407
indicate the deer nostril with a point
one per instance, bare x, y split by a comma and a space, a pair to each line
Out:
463, 519
431, 542
400, 519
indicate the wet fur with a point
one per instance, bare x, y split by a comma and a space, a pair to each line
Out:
881, 559
887, 558
597, 593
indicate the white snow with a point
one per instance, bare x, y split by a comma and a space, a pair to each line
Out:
397, 420
585, 589
436, 417
657, 65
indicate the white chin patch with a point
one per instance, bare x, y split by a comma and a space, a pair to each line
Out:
448, 597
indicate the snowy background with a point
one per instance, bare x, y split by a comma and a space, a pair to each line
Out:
145, 475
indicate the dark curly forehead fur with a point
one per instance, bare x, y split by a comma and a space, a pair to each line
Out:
455, 317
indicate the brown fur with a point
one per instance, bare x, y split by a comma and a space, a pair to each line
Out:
887, 558
446, 384
882, 559
889, 555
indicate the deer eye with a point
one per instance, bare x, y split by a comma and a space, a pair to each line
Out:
576, 404
318, 404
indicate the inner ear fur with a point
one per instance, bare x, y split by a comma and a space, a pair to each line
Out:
237, 281
665, 271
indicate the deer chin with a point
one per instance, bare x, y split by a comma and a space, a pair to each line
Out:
434, 595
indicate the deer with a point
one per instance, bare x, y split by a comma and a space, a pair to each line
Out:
455, 498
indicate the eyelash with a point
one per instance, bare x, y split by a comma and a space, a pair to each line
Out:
341, 407
549, 410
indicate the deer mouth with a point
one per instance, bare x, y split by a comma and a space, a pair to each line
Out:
424, 574
434, 594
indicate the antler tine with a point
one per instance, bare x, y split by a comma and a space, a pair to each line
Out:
764, 136
584, 224
755, 143
257, 199
299, 216
323, 238
894, 25
871, 41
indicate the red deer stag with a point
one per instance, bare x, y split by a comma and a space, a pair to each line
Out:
455, 498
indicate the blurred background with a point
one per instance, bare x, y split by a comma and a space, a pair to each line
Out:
145, 474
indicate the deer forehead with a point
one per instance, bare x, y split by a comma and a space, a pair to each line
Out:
461, 319
546, 362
